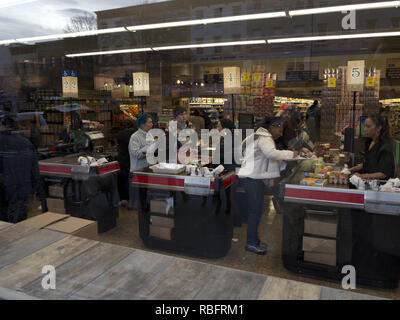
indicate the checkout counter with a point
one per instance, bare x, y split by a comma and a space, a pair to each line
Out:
84, 191
183, 213
328, 227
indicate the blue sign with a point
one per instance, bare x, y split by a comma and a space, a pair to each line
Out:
69, 73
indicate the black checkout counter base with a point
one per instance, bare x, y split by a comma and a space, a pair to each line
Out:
377, 265
200, 226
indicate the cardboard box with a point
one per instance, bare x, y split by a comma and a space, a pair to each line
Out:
56, 191
43, 220
158, 221
56, 205
320, 225
319, 245
323, 258
160, 232
76, 226
160, 206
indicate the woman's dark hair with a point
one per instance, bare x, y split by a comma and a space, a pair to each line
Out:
271, 121
178, 111
226, 124
379, 121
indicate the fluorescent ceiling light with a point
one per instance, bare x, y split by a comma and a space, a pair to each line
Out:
265, 15
188, 46
207, 45
363, 6
337, 37
257, 16
98, 53
11, 3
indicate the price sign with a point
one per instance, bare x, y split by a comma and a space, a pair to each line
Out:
370, 82
232, 80
332, 83
257, 76
141, 84
247, 76
269, 83
355, 75
70, 83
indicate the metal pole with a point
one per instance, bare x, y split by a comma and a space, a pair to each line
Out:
233, 109
354, 122
141, 103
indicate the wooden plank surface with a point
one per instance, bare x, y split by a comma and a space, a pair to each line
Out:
13, 233
4, 225
230, 284
183, 279
283, 289
26, 270
8, 294
127, 277
335, 294
79, 271
27, 245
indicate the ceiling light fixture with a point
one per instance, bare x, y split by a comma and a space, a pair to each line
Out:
257, 16
362, 6
98, 53
336, 37
187, 46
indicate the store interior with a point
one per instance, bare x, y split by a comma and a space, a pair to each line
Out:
85, 119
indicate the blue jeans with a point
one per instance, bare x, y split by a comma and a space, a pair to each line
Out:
255, 201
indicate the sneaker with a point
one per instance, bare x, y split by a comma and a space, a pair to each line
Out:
255, 249
262, 244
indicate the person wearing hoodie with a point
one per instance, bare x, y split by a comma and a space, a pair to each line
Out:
261, 165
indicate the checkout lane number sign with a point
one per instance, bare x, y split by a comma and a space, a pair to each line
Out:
355, 75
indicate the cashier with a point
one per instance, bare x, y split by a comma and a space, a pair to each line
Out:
138, 144
379, 160
261, 164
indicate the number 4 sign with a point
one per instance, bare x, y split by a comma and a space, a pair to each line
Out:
355, 75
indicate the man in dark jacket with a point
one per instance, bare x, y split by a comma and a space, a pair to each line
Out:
123, 139
19, 172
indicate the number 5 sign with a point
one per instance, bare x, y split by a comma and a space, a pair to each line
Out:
355, 75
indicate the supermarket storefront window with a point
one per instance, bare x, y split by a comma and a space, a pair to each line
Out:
74, 84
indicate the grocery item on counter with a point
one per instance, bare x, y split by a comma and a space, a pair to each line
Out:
314, 182
392, 185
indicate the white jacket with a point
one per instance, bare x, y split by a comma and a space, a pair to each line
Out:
261, 159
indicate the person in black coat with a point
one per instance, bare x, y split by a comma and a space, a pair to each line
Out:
123, 139
378, 159
19, 172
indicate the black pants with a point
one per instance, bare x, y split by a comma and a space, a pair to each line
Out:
255, 195
14, 212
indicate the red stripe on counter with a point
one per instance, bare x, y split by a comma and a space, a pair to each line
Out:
54, 169
109, 168
325, 195
229, 181
159, 181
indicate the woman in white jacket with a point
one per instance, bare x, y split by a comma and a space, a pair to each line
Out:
261, 162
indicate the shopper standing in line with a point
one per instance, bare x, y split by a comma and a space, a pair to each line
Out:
261, 164
138, 146
19, 172
313, 119
197, 121
123, 139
